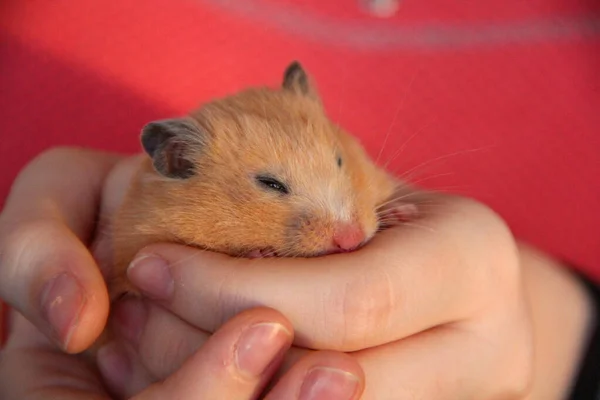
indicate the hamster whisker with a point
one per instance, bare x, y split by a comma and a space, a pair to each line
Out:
370, 184
450, 189
403, 146
189, 258
420, 226
406, 175
387, 134
395, 199
342, 92
287, 254
418, 181
400, 106
408, 224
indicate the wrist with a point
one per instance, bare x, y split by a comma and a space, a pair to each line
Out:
561, 312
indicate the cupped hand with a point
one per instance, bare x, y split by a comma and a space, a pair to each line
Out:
434, 309
57, 210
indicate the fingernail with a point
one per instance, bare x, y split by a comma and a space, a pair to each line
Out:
151, 274
130, 319
323, 383
62, 301
259, 346
114, 365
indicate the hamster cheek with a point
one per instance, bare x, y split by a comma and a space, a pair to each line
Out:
306, 234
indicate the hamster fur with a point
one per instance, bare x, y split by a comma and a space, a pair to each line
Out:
263, 172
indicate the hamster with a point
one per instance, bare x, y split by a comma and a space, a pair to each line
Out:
263, 172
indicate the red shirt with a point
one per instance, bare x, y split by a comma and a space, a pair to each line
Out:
503, 98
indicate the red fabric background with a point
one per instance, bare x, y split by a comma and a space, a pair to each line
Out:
514, 123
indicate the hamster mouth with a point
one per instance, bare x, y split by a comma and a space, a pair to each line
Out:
270, 252
262, 253
390, 215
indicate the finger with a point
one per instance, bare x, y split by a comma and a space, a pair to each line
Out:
161, 343
161, 340
158, 342
121, 370
235, 363
46, 271
115, 188
406, 280
321, 375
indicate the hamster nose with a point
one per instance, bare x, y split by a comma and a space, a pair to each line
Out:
347, 237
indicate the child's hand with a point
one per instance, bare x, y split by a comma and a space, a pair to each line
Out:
235, 363
46, 270
434, 311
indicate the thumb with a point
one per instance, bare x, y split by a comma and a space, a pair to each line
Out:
46, 270
234, 363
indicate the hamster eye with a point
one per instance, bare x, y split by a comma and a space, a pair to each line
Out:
339, 161
272, 184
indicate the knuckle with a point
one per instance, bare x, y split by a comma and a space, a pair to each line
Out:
483, 221
56, 153
165, 342
165, 359
17, 239
18, 245
490, 245
366, 305
48, 159
13, 240
52, 157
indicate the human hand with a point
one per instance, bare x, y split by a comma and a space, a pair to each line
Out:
50, 220
45, 204
234, 363
47, 272
434, 310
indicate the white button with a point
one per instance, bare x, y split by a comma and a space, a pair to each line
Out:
381, 8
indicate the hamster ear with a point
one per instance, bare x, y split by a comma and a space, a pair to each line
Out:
169, 143
297, 80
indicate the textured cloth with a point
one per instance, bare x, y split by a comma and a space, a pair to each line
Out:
586, 384
495, 100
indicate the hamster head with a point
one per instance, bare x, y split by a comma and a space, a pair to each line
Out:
264, 172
